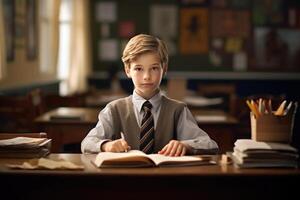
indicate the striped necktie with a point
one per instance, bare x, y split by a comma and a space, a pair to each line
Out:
147, 129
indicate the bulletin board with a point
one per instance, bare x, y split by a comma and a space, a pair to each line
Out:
201, 35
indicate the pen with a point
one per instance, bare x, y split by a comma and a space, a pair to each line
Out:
123, 137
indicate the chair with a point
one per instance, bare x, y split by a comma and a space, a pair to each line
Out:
176, 88
55, 100
224, 90
17, 113
12, 135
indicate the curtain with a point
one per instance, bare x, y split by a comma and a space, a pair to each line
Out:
80, 60
49, 35
55, 31
2, 43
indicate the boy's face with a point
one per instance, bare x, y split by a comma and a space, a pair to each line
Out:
146, 73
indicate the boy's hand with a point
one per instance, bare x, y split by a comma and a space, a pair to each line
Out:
119, 145
174, 148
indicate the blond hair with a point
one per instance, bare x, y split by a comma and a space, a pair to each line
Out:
141, 44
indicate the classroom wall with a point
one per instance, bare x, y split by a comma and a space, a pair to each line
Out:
206, 35
22, 72
23, 63
21, 69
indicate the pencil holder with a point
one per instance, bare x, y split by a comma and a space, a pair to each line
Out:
272, 128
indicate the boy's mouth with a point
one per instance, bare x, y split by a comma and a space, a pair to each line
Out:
147, 84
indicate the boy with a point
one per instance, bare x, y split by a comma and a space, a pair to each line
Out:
147, 120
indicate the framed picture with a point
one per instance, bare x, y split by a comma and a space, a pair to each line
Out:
9, 18
31, 32
193, 31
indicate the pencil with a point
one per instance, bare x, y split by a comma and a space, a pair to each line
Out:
123, 137
280, 109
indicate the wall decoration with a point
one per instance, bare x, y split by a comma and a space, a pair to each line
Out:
20, 23
108, 50
126, 29
268, 12
230, 23
193, 30
277, 49
106, 11
31, 36
233, 45
163, 21
9, 14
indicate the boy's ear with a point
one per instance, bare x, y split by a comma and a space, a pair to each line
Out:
165, 69
127, 70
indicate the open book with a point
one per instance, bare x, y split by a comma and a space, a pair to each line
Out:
136, 158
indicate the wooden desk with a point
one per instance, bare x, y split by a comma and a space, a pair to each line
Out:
197, 182
219, 125
67, 131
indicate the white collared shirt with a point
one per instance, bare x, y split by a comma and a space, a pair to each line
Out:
188, 130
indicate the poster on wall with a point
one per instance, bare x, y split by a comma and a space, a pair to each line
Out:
108, 50
126, 29
277, 49
266, 12
193, 30
106, 12
163, 21
9, 12
230, 23
31, 33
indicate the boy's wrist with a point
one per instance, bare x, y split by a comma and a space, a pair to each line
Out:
103, 144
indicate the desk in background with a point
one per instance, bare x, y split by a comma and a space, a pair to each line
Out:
67, 131
196, 182
219, 125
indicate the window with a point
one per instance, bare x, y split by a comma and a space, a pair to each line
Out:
65, 18
46, 55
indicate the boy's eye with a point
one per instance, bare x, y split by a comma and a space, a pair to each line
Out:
155, 67
137, 68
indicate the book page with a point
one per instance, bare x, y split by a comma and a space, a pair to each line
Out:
21, 141
247, 144
130, 158
159, 159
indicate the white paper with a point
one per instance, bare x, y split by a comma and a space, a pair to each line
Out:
106, 12
163, 20
108, 50
240, 61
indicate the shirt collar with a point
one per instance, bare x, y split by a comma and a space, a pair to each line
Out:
138, 101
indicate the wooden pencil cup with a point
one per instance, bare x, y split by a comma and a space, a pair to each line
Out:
272, 128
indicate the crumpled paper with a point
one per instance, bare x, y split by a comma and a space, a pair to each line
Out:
44, 163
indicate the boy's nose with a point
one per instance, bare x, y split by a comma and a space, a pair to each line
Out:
146, 75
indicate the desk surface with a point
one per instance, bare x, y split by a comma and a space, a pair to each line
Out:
194, 182
90, 115
205, 170
208, 116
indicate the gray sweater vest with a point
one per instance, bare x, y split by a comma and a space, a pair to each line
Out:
125, 121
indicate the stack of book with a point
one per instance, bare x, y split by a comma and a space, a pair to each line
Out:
249, 154
25, 147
